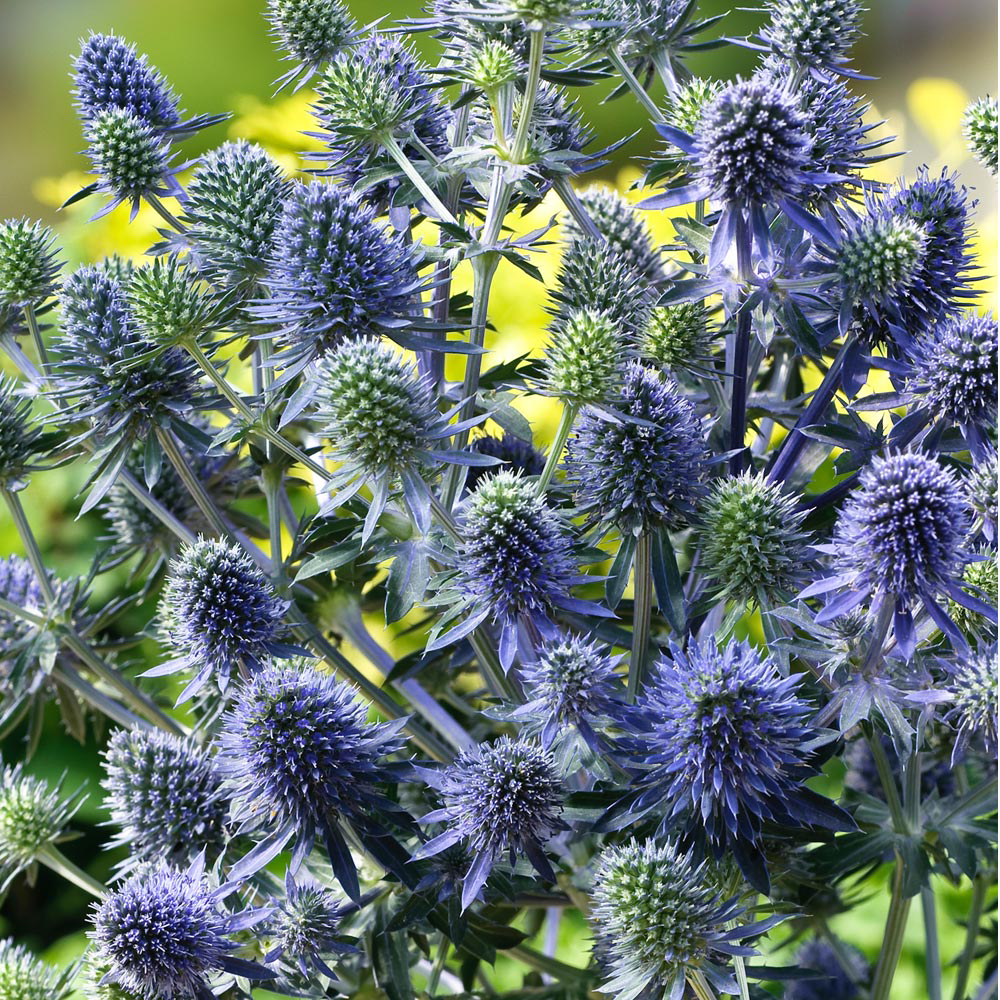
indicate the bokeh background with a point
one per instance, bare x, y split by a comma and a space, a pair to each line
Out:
930, 56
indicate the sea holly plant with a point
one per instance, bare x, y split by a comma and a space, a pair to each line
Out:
392, 694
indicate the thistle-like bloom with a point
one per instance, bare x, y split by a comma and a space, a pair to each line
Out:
981, 131
571, 684
170, 304
585, 359
720, 741
299, 755
513, 452
753, 545
816, 35
898, 541
333, 274
20, 439
955, 374
33, 818
29, 267
165, 796
23, 976
305, 928
639, 475
130, 158
656, 917
972, 685
980, 486
311, 32
676, 336
515, 565
979, 578
836, 982
162, 934
501, 798
18, 586
234, 201
218, 610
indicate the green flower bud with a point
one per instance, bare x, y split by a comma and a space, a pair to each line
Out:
981, 132
585, 358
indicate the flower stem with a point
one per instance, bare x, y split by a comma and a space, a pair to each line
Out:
697, 981
888, 782
156, 508
442, 956
543, 963
574, 206
198, 493
393, 148
931, 945
492, 669
36, 335
566, 419
738, 407
162, 211
31, 550
97, 699
979, 884
536, 53
634, 85
53, 858
642, 607
892, 943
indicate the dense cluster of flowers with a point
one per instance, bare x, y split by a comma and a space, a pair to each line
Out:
762, 538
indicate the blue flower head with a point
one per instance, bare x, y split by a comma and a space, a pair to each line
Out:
721, 743
311, 33
299, 756
980, 486
836, 982
20, 439
500, 798
816, 35
162, 934
513, 452
333, 273
218, 611
972, 684
18, 586
29, 267
636, 475
165, 796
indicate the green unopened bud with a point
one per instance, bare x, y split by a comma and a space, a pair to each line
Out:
28, 266
585, 359
880, 257
676, 336
493, 64
981, 131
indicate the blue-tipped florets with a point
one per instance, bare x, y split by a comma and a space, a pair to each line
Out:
18, 586
634, 475
28, 265
981, 131
973, 689
815, 34
23, 976
311, 32
20, 440
516, 454
837, 983
218, 610
165, 796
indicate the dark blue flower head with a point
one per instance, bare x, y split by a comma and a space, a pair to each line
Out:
720, 741
109, 73
300, 755
218, 611
514, 452
162, 934
972, 684
639, 475
501, 798
836, 982
165, 796
814, 35
20, 438
18, 586
981, 493
333, 273
311, 32
29, 267
233, 204
862, 776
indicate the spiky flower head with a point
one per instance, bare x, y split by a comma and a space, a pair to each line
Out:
18, 586
835, 982
20, 439
753, 545
110, 74
595, 276
375, 409
900, 532
500, 798
979, 578
723, 742
878, 258
299, 754
516, 454
570, 683
955, 373
130, 157
219, 610
310, 31
981, 493
491, 65
165, 796
656, 916
684, 108
161, 934
751, 146
556, 123
24, 976
972, 685
29, 268
538, 12
676, 336
233, 204
622, 227
814, 34
33, 817
333, 272
169, 303
639, 475
981, 131
585, 358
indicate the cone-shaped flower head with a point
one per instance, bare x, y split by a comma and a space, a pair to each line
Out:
753, 545
234, 201
217, 610
837, 983
676, 336
752, 146
979, 578
956, 371
585, 358
490, 65
29, 268
973, 689
814, 34
334, 273
500, 798
299, 753
516, 454
311, 32
556, 124
109, 73
33, 817
23, 976
656, 916
161, 934
634, 475
20, 439
684, 108
722, 741
165, 796
169, 303
981, 493
981, 131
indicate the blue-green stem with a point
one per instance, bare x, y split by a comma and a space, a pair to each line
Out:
895, 928
642, 609
36, 335
740, 390
932, 948
442, 956
194, 486
162, 211
536, 53
979, 885
392, 147
700, 985
635, 86
568, 196
53, 858
566, 418
888, 782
